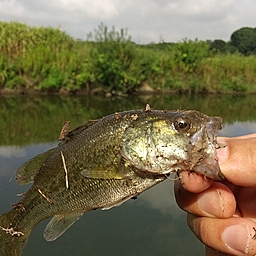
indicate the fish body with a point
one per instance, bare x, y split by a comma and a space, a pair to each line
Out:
103, 163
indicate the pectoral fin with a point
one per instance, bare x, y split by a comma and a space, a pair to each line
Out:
26, 172
58, 225
102, 173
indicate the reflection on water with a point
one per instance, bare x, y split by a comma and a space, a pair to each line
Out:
150, 225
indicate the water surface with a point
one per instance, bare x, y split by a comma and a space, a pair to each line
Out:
151, 225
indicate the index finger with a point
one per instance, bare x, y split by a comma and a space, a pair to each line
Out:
238, 159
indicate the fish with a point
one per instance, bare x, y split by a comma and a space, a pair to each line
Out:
104, 163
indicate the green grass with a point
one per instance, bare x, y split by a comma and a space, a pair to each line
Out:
49, 60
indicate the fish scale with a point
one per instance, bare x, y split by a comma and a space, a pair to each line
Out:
105, 162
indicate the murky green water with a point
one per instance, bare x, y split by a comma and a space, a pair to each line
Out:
150, 225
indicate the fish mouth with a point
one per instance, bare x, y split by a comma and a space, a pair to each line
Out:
210, 168
203, 150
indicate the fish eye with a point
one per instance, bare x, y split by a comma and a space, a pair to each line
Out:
182, 124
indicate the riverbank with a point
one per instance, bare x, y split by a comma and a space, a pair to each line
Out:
48, 61
100, 92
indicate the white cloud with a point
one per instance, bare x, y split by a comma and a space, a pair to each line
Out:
11, 10
146, 20
104, 9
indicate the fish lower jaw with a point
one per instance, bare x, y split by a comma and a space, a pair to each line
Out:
210, 168
165, 171
177, 169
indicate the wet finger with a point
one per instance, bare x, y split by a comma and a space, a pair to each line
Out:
235, 236
238, 160
217, 201
194, 182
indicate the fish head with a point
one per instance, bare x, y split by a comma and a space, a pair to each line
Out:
202, 146
173, 141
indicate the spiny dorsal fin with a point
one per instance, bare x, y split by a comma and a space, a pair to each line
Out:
64, 131
78, 130
59, 224
26, 172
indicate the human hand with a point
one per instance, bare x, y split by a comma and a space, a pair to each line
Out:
223, 214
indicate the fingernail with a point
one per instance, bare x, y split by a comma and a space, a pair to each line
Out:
211, 203
237, 238
222, 152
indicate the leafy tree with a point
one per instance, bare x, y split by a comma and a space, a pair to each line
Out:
231, 48
218, 45
113, 55
190, 53
244, 40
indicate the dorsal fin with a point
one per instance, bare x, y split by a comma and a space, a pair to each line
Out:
59, 224
79, 129
64, 131
26, 172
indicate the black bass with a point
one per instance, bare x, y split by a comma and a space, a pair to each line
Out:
104, 163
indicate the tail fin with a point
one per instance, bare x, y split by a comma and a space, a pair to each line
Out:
12, 240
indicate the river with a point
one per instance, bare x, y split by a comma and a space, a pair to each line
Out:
151, 225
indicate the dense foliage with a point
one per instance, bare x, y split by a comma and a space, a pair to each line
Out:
48, 60
244, 40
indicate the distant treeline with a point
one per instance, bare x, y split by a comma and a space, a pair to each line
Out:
48, 60
242, 40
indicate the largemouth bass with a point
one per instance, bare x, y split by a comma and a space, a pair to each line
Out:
104, 163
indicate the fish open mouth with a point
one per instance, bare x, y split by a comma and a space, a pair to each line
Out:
203, 150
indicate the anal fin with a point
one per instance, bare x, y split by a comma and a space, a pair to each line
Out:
59, 224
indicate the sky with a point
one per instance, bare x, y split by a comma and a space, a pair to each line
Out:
147, 21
